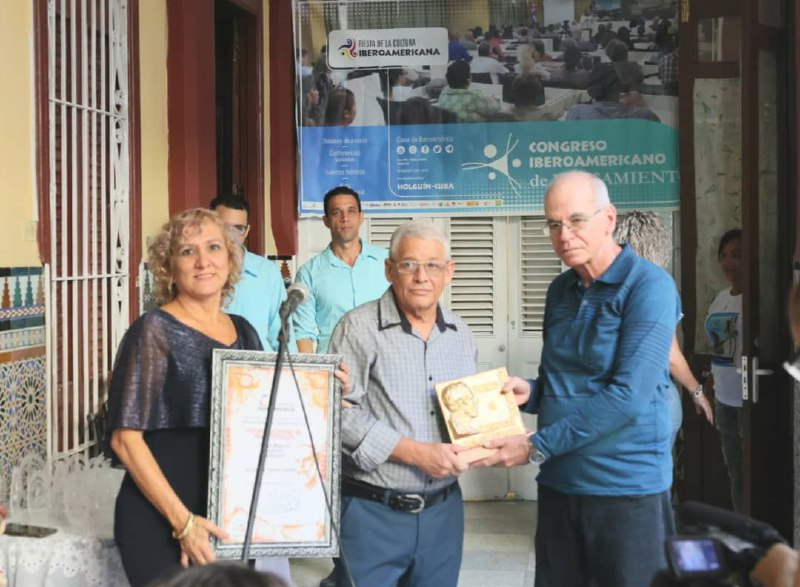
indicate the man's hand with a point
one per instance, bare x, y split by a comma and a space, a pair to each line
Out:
434, 458
520, 388
778, 568
511, 451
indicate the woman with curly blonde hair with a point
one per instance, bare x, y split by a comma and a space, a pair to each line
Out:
159, 397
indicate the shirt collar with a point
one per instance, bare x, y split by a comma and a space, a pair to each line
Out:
620, 267
249, 265
367, 250
617, 272
389, 314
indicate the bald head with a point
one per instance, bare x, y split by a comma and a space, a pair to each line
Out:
581, 179
581, 220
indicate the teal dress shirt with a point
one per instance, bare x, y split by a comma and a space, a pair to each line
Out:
258, 297
336, 288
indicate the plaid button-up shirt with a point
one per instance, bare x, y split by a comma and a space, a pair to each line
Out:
392, 375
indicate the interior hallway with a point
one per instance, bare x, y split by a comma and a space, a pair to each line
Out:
498, 548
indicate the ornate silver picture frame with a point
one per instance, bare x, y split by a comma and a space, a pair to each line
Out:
297, 503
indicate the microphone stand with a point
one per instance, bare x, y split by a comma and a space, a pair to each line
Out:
262, 457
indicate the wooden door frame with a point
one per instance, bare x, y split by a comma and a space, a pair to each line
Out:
691, 69
191, 110
755, 36
768, 480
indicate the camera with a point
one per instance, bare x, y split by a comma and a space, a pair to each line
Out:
717, 547
696, 557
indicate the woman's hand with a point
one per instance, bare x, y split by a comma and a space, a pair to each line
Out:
196, 545
703, 406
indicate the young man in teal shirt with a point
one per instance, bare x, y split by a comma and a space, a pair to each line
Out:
348, 273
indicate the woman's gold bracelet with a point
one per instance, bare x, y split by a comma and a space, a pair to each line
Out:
186, 529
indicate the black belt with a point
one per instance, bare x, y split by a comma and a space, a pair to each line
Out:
411, 503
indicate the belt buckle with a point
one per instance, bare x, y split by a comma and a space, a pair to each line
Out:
415, 496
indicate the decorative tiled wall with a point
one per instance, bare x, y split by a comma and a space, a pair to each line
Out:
23, 418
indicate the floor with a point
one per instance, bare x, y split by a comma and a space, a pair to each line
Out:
498, 548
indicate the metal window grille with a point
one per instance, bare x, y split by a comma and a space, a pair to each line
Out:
87, 301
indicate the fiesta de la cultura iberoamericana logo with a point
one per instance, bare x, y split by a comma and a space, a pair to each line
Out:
348, 49
498, 164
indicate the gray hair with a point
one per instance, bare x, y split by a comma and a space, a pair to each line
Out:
646, 235
599, 188
423, 230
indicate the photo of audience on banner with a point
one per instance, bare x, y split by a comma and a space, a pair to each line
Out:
506, 63
618, 59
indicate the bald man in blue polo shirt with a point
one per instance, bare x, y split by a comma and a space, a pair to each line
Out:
603, 441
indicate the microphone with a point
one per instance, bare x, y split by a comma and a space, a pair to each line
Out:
295, 295
758, 533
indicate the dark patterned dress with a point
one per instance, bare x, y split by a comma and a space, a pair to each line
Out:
161, 384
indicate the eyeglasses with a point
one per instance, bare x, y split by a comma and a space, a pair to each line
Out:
431, 267
575, 223
239, 229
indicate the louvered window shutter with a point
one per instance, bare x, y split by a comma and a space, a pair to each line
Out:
539, 265
473, 290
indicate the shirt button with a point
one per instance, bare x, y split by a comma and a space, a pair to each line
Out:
430, 481
433, 413
430, 377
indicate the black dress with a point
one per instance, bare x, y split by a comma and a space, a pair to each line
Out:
161, 384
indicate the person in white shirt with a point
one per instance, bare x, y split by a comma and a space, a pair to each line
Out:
723, 327
527, 63
485, 63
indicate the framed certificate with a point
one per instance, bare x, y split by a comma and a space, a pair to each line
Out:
297, 502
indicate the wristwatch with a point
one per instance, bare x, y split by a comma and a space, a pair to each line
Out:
697, 393
535, 456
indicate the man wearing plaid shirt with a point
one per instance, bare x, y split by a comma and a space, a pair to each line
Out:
402, 514
668, 66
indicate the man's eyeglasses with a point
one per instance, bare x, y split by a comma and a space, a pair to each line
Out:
239, 229
575, 223
434, 268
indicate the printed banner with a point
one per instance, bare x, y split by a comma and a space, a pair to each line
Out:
501, 168
455, 119
388, 48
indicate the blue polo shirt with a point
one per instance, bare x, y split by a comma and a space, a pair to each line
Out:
336, 288
603, 390
258, 296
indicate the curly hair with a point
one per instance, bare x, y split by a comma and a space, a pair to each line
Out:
164, 246
646, 235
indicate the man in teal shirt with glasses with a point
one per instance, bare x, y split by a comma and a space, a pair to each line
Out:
348, 273
260, 290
